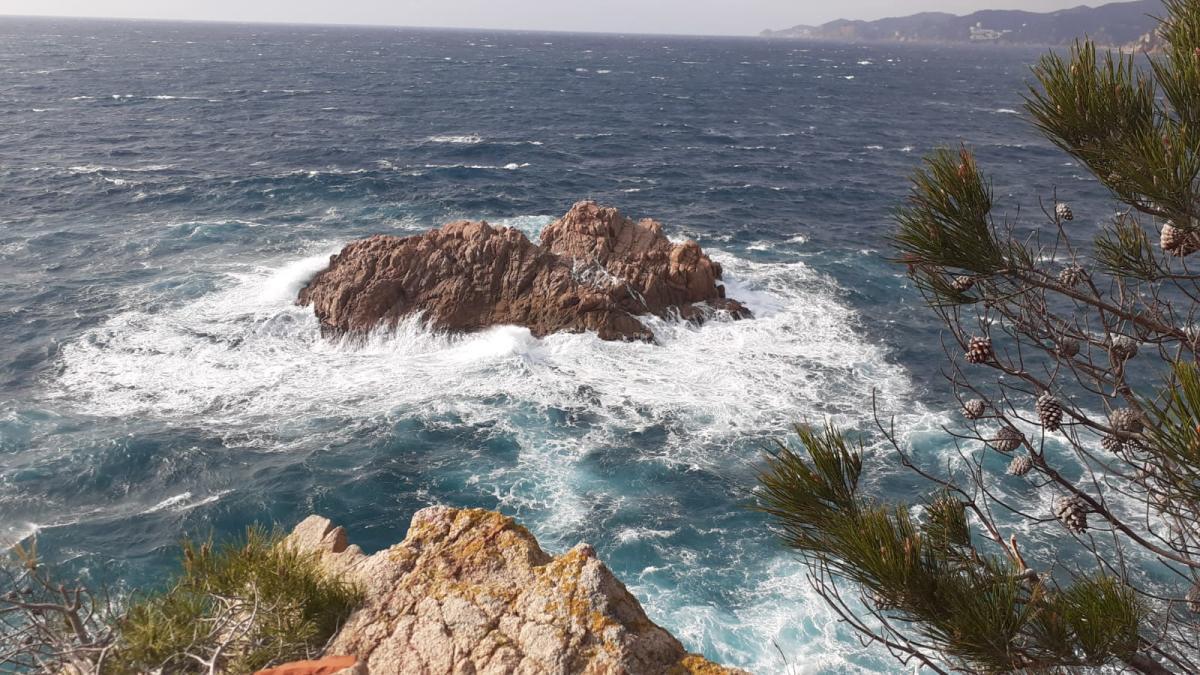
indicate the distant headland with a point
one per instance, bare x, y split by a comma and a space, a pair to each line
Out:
1127, 25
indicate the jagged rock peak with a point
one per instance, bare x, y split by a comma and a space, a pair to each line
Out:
471, 591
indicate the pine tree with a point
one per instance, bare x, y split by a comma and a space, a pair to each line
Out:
1109, 326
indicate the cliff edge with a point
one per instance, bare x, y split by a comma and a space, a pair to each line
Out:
471, 591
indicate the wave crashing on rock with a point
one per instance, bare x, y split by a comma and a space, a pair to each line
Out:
595, 270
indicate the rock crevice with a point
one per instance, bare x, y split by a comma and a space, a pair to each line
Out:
471, 591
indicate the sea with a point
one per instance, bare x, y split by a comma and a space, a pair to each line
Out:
167, 188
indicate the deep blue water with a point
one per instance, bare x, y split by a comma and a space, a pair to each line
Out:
165, 189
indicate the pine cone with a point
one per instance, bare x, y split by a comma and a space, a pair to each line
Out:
1072, 276
1007, 439
1049, 411
1193, 599
1126, 419
1121, 349
1063, 211
1177, 242
1112, 444
1066, 347
1072, 513
1137, 445
962, 284
973, 409
979, 350
1020, 466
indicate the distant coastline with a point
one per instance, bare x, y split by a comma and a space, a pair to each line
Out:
1129, 26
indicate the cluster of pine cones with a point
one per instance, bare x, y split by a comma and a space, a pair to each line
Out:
1173, 239
1072, 510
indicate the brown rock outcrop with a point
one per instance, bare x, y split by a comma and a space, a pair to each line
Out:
595, 270
470, 591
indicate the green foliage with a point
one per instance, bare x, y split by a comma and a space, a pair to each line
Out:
1117, 607
946, 525
981, 611
1175, 434
1106, 112
244, 604
1093, 107
1124, 249
946, 222
1179, 75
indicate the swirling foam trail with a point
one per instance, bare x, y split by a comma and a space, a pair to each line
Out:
246, 357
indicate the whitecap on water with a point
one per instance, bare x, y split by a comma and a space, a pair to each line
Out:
184, 502
459, 139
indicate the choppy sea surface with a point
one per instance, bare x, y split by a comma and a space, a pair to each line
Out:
166, 189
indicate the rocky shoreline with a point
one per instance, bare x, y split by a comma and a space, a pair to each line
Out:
471, 591
594, 270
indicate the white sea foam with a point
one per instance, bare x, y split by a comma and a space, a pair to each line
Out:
479, 167
245, 357
460, 139
184, 502
97, 168
779, 613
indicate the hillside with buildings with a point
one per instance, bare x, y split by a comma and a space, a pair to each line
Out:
1125, 24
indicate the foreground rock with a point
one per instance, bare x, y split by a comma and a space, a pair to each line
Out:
595, 270
470, 591
330, 665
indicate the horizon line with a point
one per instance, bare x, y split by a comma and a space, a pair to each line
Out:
379, 26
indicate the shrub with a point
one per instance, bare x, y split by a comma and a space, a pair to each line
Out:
241, 605
234, 608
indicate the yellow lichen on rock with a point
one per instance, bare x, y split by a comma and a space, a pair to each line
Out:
471, 591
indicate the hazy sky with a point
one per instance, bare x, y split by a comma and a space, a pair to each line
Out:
718, 17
